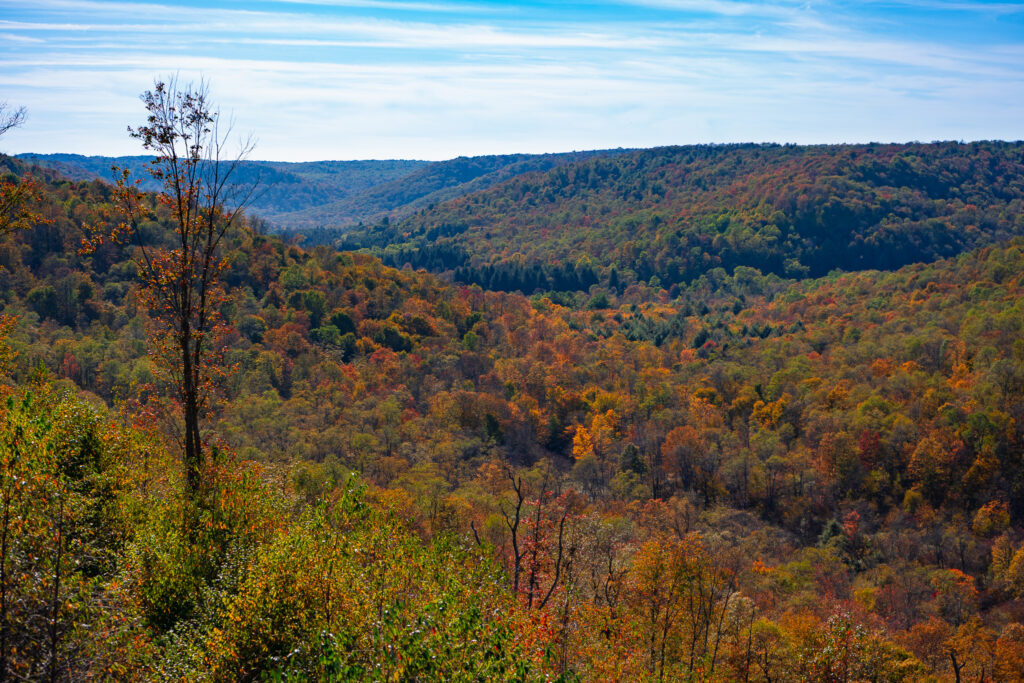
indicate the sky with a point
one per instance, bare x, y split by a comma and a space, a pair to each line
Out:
436, 79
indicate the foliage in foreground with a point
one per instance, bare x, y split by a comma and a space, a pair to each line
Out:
100, 580
109, 570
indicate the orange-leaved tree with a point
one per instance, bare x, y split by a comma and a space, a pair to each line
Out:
180, 275
17, 195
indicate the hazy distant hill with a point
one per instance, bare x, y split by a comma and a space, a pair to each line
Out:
674, 213
436, 182
283, 187
301, 196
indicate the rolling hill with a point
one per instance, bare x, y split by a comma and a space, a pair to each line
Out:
666, 216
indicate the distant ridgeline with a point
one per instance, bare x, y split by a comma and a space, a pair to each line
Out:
662, 217
316, 198
666, 216
284, 188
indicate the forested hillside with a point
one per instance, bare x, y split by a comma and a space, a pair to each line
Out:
425, 187
760, 479
668, 215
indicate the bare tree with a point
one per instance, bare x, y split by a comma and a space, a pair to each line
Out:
513, 518
181, 280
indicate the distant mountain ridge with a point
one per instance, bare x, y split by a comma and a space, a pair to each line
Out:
299, 196
285, 187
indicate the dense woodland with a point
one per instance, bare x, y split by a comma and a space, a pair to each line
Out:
666, 216
717, 472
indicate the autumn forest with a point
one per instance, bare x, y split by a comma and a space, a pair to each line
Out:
705, 413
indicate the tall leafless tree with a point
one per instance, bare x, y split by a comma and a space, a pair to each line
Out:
181, 281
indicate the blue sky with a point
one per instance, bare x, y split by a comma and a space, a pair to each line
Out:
434, 79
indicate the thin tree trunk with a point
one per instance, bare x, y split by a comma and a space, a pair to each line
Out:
193, 445
956, 666
55, 602
3, 584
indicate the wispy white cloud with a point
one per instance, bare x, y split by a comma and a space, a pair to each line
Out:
995, 8
18, 38
301, 30
393, 6
731, 8
927, 56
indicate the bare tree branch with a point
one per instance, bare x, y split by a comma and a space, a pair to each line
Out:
11, 118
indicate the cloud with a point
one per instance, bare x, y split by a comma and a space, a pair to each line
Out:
17, 38
296, 29
730, 8
389, 5
994, 8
